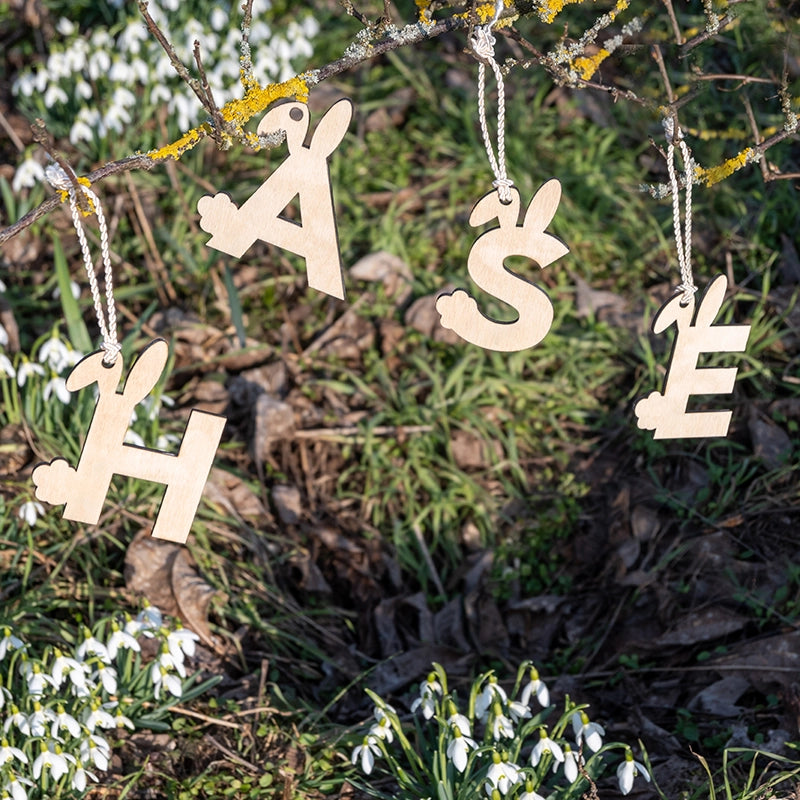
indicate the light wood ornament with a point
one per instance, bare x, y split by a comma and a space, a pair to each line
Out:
304, 174
105, 453
665, 412
459, 310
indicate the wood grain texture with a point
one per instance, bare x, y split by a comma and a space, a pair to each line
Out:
83, 490
459, 310
665, 412
303, 174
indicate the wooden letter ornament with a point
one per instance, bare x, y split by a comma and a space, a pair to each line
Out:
459, 310
305, 174
665, 412
83, 490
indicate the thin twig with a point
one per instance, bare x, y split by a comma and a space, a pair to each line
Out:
177, 64
219, 123
123, 165
11, 133
208, 720
245, 54
687, 47
351, 431
742, 78
679, 38
756, 136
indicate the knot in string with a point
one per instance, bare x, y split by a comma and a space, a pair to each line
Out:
683, 238
482, 42
59, 180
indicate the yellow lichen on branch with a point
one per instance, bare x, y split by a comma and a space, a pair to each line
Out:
238, 113
586, 66
716, 174
485, 12
257, 98
424, 11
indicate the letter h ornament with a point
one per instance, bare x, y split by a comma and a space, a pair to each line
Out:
105, 453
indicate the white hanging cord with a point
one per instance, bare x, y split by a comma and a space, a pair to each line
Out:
60, 181
683, 239
482, 43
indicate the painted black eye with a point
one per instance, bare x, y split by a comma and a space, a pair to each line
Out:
296, 114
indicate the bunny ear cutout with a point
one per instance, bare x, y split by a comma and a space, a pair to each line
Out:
332, 127
146, 371
673, 311
711, 302
544, 205
91, 370
284, 117
490, 207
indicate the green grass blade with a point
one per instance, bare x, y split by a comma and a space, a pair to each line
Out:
76, 328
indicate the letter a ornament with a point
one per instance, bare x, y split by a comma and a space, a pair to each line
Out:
304, 174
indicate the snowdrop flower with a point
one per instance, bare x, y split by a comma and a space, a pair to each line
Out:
52, 759
529, 794
169, 662
9, 642
459, 720
59, 386
572, 764
92, 647
29, 512
3, 336
28, 174
54, 94
7, 753
6, 367
107, 676
501, 724
218, 18
37, 721
77, 671
16, 717
487, 697
546, 745
383, 729
458, 749
502, 775
27, 368
65, 27
36, 679
66, 721
181, 642
120, 720
160, 94
427, 692
366, 752
518, 710
589, 732
628, 770
160, 675
535, 687
120, 639
52, 352
131, 437
79, 778
16, 786
96, 750
99, 717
